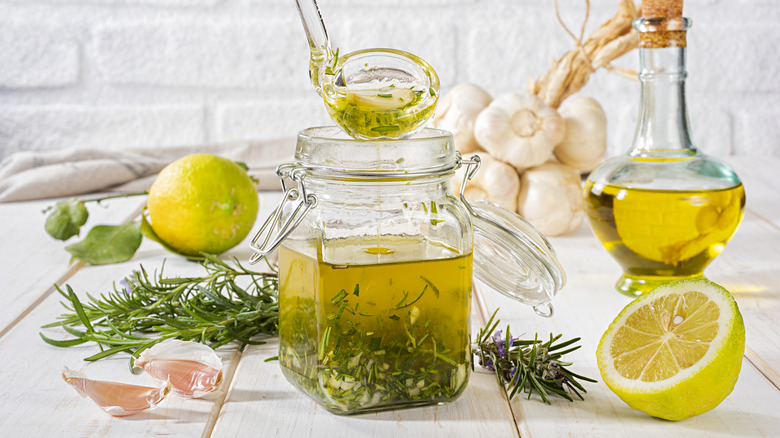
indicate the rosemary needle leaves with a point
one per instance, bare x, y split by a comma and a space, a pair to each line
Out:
213, 309
532, 366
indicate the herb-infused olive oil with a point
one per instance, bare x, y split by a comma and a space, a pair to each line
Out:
380, 109
388, 327
663, 235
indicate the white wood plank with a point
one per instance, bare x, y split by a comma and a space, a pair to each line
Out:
34, 389
32, 261
261, 399
585, 308
761, 178
750, 269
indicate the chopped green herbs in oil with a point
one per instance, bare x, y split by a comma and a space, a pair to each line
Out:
399, 338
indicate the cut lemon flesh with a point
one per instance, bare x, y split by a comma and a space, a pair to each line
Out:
675, 352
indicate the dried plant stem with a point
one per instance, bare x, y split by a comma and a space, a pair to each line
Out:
570, 73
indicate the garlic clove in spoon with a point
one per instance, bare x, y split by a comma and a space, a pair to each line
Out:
193, 369
378, 99
117, 399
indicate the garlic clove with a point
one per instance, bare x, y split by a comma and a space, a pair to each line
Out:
193, 369
585, 143
495, 181
117, 399
551, 198
457, 111
386, 98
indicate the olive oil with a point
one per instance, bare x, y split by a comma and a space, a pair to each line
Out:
662, 235
388, 328
380, 109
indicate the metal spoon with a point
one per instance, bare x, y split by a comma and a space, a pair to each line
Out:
370, 93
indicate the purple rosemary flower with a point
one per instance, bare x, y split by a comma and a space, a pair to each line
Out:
126, 289
528, 365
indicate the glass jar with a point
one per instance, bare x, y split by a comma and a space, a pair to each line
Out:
375, 269
664, 210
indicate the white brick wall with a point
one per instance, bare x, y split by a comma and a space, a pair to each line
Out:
129, 73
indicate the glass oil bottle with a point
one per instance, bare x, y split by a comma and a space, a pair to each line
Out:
664, 211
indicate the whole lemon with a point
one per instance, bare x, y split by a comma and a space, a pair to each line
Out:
202, 203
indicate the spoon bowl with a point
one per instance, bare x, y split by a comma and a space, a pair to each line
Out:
370, 93
380, 93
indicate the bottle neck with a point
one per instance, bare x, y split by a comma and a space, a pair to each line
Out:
663, 131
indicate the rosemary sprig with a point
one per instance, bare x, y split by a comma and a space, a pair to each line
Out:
528, 365
212, 309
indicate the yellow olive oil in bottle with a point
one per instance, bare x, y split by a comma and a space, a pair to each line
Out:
664, 211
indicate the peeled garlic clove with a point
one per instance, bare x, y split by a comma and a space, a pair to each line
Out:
193, 369
117, 399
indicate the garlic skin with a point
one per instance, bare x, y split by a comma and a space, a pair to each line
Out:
193, 369
116, 399
457, 112
519, 129
585, 143
495, 181
551, 198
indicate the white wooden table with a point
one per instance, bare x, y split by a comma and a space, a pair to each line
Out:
258, 401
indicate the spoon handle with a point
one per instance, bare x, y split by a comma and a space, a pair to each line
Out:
319, 42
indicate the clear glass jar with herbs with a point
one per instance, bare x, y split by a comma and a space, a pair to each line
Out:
376, 257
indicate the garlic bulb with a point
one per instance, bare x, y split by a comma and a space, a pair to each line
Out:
117, 399
551, 198
495, 181
585, 142
457, 111
519, 129
192, 368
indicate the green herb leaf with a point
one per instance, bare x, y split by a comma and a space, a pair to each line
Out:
106, 244
338, 297
386, 96
66, 219
148, 232
528, 365
385, 129
148, 310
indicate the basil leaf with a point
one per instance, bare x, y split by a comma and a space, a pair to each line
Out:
106, 244
66, 219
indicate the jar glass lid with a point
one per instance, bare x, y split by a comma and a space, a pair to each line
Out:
328, 151
512, 257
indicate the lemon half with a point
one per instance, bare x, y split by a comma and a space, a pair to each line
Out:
674, 352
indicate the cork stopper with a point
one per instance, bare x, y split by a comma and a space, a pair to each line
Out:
662, 8
660, 20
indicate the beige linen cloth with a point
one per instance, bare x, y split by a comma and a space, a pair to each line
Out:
70, 172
